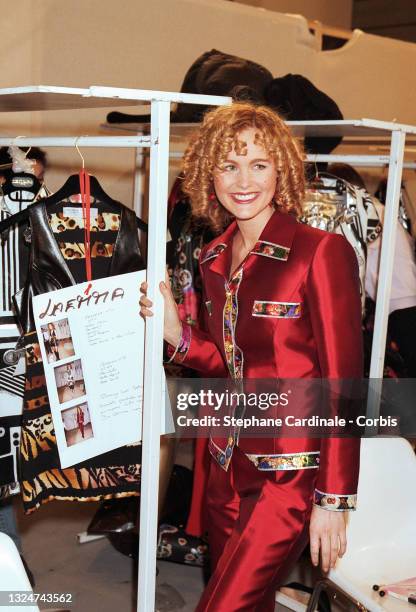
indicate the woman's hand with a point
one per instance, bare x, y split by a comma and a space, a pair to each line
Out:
327, 535
172, 324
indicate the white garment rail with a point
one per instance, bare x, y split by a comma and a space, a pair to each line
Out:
55, 98
359, 130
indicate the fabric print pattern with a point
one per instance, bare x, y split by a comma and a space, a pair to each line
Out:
295, 461
76, 250
104, 221
233, 354
174, 544
222, 457
33, 354
214, 252
331, 501
280, 310
269, 249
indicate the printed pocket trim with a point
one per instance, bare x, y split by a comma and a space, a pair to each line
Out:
285, 461
276, 310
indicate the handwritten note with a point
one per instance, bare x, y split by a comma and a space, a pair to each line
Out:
92, 344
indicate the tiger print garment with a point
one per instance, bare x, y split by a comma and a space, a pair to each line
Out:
113, 474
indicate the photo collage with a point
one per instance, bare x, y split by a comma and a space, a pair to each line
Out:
69, 380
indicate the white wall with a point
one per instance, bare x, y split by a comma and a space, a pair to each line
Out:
151, 45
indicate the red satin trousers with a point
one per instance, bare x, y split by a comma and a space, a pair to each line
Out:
258, 525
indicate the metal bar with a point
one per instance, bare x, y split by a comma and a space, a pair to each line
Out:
367, 161
387, 251
372, 160
153, 369
81, 141
122, 93
138, 182
384, 278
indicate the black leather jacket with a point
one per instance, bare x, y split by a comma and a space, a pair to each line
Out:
49, 271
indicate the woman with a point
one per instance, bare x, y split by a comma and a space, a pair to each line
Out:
70, 379
279, 297
80, 420
53, 341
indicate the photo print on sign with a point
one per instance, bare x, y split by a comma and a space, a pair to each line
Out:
57, 340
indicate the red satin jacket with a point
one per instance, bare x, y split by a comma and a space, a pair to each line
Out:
291, 310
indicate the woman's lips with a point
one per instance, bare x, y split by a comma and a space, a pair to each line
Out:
244, 198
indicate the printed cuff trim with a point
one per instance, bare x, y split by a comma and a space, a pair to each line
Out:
334, 501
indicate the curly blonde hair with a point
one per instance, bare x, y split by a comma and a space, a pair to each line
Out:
218, 135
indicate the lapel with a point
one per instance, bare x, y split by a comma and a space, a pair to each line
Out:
274, 243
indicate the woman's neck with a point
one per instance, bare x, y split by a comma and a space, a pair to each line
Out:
250, 229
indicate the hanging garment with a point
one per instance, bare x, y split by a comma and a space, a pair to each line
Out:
333, 205
183, 254
14, 259
58, 260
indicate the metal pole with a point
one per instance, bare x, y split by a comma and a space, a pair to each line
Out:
138, 181
385, 271
153, 369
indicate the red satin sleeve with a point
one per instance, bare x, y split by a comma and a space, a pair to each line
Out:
200, 353
333, 297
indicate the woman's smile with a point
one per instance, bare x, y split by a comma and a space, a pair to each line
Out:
244, 198
245, 183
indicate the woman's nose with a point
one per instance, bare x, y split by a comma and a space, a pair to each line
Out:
243, 178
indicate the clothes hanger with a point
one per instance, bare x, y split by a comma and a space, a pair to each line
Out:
69, 188
339, 187
21, 181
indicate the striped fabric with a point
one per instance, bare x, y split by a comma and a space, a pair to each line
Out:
10, 383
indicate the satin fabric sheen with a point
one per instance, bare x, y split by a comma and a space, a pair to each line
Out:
258, 521
261, 527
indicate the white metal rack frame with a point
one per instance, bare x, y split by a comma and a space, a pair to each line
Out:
55, 98
395, 134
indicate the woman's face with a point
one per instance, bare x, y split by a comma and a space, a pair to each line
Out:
245, 184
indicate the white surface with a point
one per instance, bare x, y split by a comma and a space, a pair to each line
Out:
80, 141
50, 97
356, 128
382, 531
348, 127
388, 244
153, 368
12, 573
107, 338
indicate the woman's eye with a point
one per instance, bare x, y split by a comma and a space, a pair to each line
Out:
260, 166
228, 168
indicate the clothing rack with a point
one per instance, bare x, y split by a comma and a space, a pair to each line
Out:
359, 130
53, 98
56, 98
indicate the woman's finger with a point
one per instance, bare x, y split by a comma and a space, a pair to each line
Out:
144, 301
145, 312
314, 547
334, 549
325, 551
143, 287
164, 288
342, 543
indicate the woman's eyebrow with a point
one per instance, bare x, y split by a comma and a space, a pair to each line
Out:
260, 160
